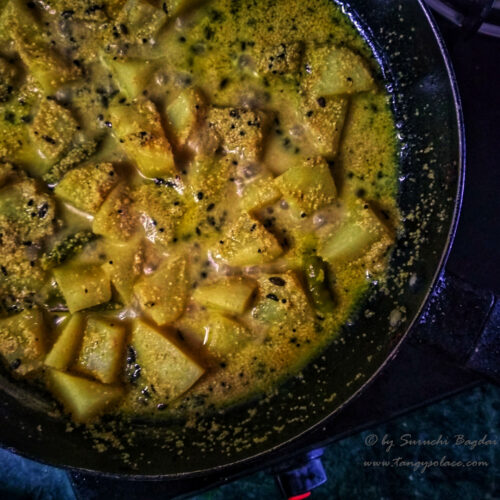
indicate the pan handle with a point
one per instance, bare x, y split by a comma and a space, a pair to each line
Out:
463, 322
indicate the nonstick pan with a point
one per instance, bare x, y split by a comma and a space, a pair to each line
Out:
429, 123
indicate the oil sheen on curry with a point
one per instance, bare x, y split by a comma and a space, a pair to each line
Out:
194, 196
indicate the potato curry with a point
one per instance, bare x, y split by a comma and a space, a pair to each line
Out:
194, 196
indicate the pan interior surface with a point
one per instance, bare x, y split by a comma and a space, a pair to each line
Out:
427, 118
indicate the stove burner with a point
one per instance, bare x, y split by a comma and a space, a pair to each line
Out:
474, 16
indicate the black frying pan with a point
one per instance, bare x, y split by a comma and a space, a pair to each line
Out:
428, 117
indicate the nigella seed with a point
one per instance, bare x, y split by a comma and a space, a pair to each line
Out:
42, 211
131, 354
272, 296
137, 372
15, 364
275, 280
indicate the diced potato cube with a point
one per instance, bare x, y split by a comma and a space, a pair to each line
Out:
230, 295
83, 398
359, 234
64, 349
52, 130
22, 341
241, 131
207, 186
324, 120
207, 179
259, 193
124, 265
159, 208
282, 151
138, 128
162, 295
248, 243
83, 286
132, 75
116, 218
163, 365
102, 349
282, 304
15, 143
43, 62
28, 210
77, 154
226, 336
86, 187
336, 71
223, 337
309, 186
184, 114
281, 59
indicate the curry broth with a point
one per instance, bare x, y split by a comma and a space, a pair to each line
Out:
202, 195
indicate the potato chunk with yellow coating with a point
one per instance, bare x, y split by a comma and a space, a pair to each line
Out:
240, 130
64, 350
22, 341
159, 208
309, 186
124, 266
360, 234
323, 120
259, 193
86, 187
52, 130
282, 304
138, 128
207, 186
163, 365
223, 337
83, 286
336, 71
184, 114
247, 244
162, 295
230, 295
132, 74
102, 349
48, 67
116, 218
27, 210
281, 59
83, 398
